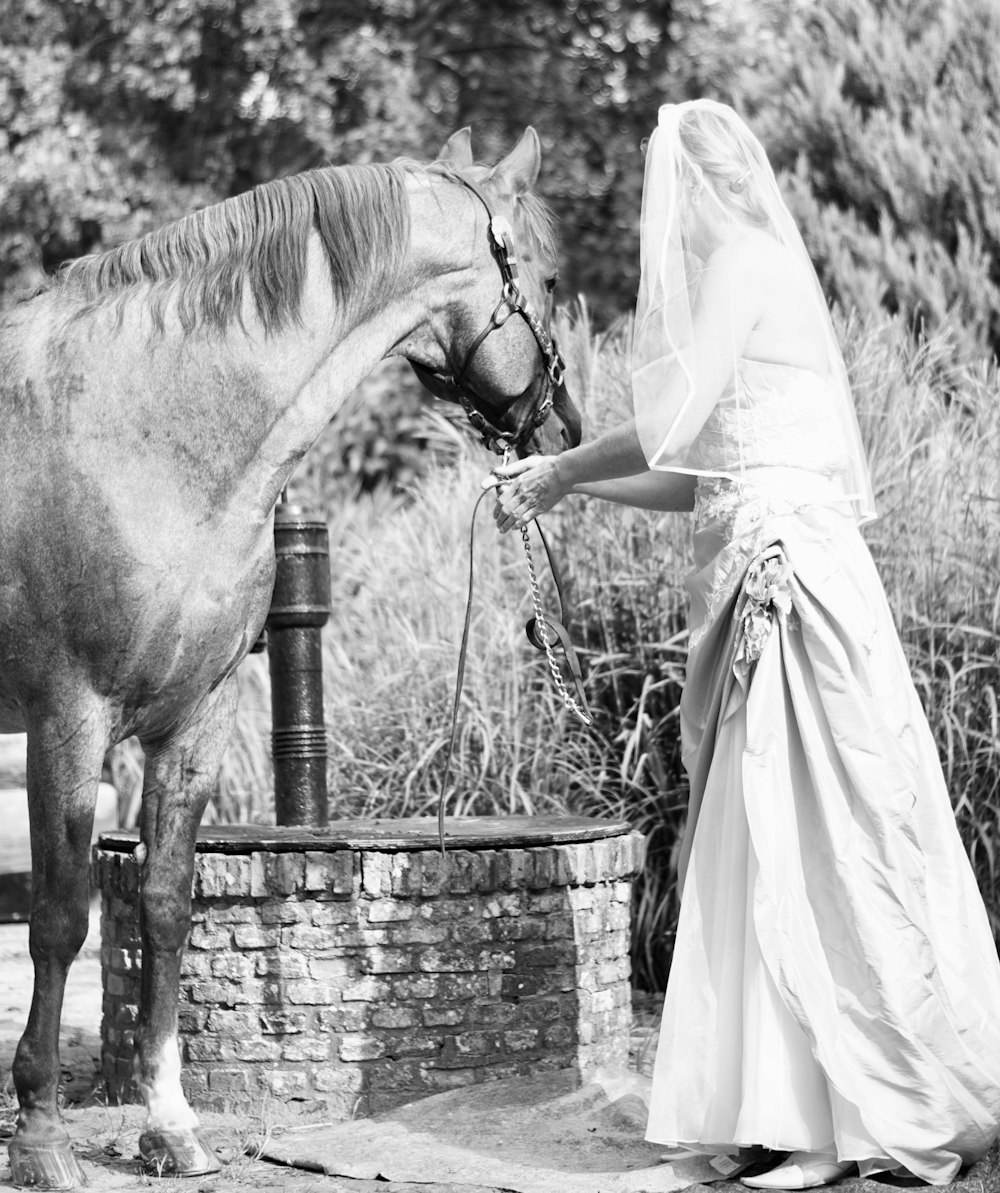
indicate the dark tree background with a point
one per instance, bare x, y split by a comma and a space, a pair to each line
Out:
116, 115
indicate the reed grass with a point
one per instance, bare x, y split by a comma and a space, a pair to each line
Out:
933, 436
399, 567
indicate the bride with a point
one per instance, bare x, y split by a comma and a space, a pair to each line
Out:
834, 995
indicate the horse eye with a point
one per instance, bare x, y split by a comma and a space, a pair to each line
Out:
550, 283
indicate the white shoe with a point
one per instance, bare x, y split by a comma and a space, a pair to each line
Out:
802, 1170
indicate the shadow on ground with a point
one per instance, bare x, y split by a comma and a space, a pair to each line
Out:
106, 1138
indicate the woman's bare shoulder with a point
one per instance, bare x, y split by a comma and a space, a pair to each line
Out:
767, 257
754, 256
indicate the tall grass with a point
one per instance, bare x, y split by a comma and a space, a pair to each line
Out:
399, 571
933, 434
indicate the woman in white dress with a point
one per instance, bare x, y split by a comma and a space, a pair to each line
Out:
834, 995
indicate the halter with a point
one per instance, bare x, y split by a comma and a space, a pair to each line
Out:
543, 633
511, 300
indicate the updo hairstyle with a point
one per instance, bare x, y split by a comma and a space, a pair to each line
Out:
729, 159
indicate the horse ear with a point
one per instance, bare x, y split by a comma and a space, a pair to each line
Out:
457, 150
518, 171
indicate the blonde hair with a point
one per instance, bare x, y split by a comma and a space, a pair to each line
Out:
727, 155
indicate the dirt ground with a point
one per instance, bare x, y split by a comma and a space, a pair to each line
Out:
106, 1137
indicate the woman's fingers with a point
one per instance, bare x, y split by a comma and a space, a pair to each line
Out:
521, 487
516, 467
512, 509
512, 469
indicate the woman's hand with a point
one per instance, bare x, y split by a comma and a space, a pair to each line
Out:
525, 488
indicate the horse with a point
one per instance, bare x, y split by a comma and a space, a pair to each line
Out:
155, 399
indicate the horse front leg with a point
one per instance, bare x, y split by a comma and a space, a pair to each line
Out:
180, 774
65, 754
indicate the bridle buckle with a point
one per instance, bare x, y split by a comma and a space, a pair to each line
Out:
503, 312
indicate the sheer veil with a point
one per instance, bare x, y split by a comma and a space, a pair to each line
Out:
704, 145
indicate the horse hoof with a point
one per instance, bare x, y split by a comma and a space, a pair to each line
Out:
43, 1165
177, 1153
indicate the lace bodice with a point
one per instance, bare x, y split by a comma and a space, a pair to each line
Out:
774, 416
771, 445
769, 453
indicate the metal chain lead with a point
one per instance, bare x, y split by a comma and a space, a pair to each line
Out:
543, 632
540, 622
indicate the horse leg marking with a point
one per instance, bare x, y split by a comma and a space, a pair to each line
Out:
167, 1108
180, 773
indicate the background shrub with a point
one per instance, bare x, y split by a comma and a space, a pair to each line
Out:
881, 117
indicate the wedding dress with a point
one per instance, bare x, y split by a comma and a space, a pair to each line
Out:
835, 985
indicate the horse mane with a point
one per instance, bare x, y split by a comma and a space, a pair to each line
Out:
257, 241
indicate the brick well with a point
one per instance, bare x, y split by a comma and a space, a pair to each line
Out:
355, 968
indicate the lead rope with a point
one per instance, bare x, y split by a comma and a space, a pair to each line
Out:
538, 631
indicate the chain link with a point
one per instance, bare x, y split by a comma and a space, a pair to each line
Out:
541, 625
542, 629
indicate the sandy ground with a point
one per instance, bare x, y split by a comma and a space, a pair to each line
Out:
106, 1138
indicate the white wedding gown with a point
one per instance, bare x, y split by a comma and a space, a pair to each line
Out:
834, 985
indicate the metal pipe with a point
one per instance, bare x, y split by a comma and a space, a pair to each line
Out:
300, 607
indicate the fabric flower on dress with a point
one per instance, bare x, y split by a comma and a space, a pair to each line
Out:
767, 591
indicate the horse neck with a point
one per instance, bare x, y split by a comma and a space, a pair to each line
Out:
312, 366
443, 246
308, 370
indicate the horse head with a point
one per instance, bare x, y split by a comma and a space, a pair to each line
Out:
493, 352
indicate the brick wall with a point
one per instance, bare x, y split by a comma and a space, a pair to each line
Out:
361, 979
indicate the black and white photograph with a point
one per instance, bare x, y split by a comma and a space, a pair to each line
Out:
500, 595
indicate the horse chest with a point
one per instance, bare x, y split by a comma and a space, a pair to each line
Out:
223, 586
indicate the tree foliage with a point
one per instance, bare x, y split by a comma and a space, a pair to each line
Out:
882, 116
116, 115
120, 114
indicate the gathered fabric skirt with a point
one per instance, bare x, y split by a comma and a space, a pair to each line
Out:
835, 986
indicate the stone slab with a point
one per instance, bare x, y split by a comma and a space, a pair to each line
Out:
541, 1134
391, 835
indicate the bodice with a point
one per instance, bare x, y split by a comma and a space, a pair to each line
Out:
771, 449
772, 444
773, 416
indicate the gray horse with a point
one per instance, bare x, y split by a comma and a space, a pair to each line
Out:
154, 400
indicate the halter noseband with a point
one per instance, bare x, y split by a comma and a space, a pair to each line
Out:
511, 301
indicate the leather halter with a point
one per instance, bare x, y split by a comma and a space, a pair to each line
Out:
511, 301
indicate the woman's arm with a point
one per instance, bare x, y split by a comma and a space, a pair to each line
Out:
727, 307
542, 481
615, 453
668, 491
650, 490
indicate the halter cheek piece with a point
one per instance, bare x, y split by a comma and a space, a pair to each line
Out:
511, 301
543, 633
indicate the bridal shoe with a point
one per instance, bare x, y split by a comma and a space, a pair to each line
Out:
757, 1159
802, 1170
